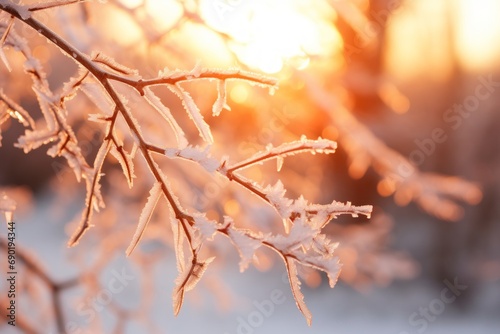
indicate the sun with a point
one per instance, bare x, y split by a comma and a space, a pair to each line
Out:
270, 34
265, 35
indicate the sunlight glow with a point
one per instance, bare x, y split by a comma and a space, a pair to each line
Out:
121, 28
166, 12
267, 35
416, 41
131, 3
419, 37
232, 208
478, 30
277, 36
393, 98
239, 93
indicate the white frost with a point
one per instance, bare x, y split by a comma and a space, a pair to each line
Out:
320, 145
276, 195
195, 154
156, 103
146, 214
206, 227
193, 112
221, 102
245, 243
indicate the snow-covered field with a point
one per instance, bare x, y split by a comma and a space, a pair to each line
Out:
261, 302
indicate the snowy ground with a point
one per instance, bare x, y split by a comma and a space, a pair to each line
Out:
263, 301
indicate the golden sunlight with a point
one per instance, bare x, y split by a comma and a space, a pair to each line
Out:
122, 28
418, 37
165, 12
270, 35
131, 3
478, 33
267, 35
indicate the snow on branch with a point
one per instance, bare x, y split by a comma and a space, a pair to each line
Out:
126, 162
146, 214
112, 64
195, 154
93, 200
303, 245
188, 279
177, 76
193, 112
164, 111
295, 286
321, 214
320, 145
221, 102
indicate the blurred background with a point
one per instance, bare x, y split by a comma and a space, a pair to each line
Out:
409, 89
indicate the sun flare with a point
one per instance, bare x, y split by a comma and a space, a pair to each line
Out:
267, 35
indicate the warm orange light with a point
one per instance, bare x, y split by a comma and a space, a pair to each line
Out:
232, 208
131, 3
386, 187
393, 98
330, 132
418, 37
239, 93
268, 34
478, 30
165, 12
122, 28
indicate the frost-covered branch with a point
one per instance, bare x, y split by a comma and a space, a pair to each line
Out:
302, 243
